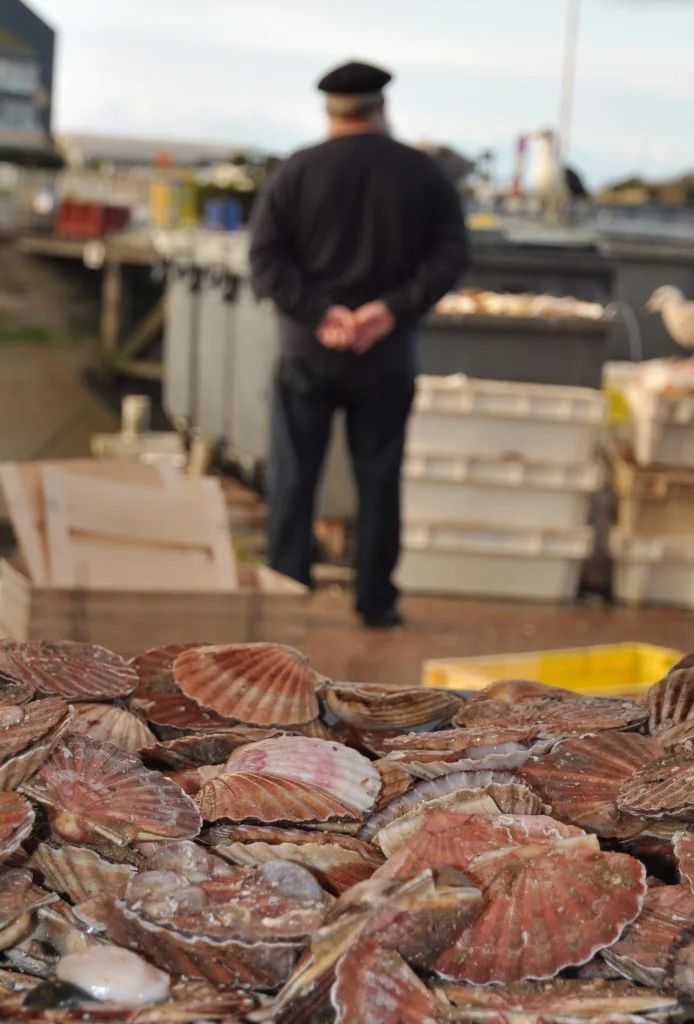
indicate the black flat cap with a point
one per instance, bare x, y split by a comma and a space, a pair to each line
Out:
354, 79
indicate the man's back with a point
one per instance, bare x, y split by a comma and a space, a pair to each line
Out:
361, 210
355, 219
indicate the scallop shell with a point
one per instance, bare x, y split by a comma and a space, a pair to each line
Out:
340, 772
663, 788
317, 730
671, 700
373, 983
220, 836
431, 789
22, 725
65, 668
337, 869
266, 799
375, 708
453, 838
16, 771
683, 844
95, 789
562, 999
581, 779
259, 684
507, 757
557, 719
79, 873
539, 914
459, 741
158, 697
108, 723
398, 832
677, 739
642, 951
16, 822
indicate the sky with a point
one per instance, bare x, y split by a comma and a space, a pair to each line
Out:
471, 74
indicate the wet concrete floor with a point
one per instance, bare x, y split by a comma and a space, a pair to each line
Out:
439, 628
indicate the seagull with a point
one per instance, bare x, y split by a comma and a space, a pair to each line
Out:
677, 312
551, 183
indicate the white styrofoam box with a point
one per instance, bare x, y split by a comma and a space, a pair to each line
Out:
653, 570
662, 427
498, 492
498, 419
526, 565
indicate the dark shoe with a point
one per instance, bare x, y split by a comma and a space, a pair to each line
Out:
390, 619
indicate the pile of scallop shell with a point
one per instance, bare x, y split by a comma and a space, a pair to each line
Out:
222, 834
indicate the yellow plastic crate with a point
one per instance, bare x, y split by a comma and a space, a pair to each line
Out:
619, 670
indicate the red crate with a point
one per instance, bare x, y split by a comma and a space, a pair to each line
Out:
90, 220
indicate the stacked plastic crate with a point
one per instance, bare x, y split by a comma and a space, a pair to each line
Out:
498, 479
652, 545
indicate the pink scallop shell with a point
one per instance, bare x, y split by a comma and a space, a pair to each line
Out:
683, 844
642, 951
663, 788
342, 773
65, 668
79, 873
26, 724
93, 788
539, 915
158, 697
581, 779
259, 684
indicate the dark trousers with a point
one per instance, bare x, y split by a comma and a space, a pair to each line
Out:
377, 401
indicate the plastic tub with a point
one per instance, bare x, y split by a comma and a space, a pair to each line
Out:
619, 670
478, 562
499, 492
496, 419
653, 570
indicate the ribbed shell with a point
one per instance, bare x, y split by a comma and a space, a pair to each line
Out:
581, 779
336, 869
671, 700
454, 839
19, 769
661, 789
557, 719
451, 741
677, 739
429, 789
14, 692
158, 697
79, 873
25, 724
375, 986
515, 691
205, 748
65, 668
266, 799
107, 723
16, 822
259, 684
379, 707
683, 845
220, 836
89, 786
342, 773
642, 951
561, 999
541, 911
397, 833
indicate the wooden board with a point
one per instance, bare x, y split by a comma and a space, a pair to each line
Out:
23, 489
113, 536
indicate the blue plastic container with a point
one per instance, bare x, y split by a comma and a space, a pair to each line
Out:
223, 214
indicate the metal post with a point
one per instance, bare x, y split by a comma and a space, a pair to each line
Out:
568, 77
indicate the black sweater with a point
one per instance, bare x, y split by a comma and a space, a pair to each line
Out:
356, 218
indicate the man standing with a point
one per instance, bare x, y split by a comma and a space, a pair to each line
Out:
354, 240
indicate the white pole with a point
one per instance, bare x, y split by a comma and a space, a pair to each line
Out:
568, 77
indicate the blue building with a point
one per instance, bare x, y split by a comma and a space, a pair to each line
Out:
27, 48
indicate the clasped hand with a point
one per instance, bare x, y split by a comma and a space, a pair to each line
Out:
357, 330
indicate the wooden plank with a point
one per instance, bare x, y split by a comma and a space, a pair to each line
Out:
61, 568
222, 547
23, 516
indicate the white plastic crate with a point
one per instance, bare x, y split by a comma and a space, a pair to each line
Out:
653, 570
498, 419
531, 565
498, 492
662, 427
